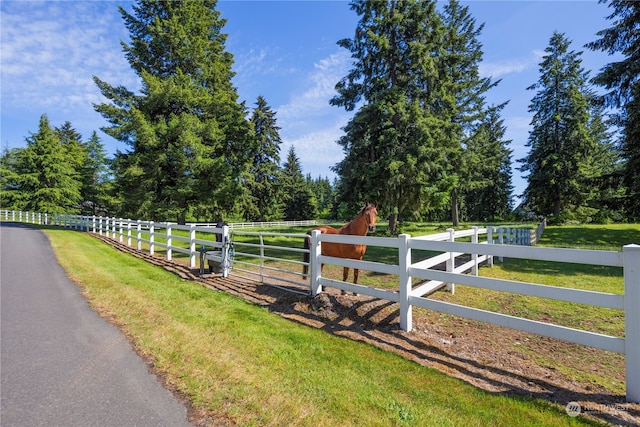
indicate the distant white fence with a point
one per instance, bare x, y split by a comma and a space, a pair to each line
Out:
409, 295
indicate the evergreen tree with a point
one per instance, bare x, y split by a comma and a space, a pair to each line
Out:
190, 144
561, 146
10, 195
47, 179
72, 144
299, 203
487, 195
392, 145
622, 81
465, 90
95, 175
323, 193
604, 179
265, 171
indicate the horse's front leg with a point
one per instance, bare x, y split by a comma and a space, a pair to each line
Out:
345, 275
355, 278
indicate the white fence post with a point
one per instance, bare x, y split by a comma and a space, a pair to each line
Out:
314, 262
404, 262
113, 228
631, 255
152, 238
490, 242
169, 241
139, 235
192, 246
451, 262
226, 249
128, 232
474, 257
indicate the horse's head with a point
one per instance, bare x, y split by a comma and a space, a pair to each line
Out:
370, 213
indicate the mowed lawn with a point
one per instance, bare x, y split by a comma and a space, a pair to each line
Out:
246, 366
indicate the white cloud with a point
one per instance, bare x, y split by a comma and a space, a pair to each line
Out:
51, 50
310, 124
509, 66
320, 88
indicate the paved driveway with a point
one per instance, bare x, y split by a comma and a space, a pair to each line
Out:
62, 364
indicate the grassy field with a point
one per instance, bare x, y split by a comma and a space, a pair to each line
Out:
250, 367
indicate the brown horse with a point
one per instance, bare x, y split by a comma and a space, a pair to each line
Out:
364, 222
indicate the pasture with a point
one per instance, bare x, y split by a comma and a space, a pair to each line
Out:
240, 363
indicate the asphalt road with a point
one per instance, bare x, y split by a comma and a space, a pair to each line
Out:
61, 364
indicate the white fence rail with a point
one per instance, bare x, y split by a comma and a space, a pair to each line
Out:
407, 294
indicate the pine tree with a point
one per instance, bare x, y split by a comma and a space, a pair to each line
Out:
622, 81
265, 170
299, 202
47, 179
560, 143
190, 144
392, 144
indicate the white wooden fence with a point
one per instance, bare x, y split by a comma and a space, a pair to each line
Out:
408, 295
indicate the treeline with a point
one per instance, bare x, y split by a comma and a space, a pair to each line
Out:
422, 141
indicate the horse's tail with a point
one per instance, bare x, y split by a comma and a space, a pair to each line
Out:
305, 267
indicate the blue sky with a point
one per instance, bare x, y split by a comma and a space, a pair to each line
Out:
285, 51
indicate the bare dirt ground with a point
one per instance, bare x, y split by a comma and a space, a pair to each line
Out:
482, 355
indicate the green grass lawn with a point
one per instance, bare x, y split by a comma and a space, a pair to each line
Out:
241, 362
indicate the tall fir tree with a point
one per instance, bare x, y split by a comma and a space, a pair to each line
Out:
393, 143
621, 79
561, 146
190, 143
264, 174
71, 141
299, 202
466, 91
324, 194
95, 176
10, 195
48, 180
488, 193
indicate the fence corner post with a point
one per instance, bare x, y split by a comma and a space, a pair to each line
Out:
314, 263
631, 256
404, 262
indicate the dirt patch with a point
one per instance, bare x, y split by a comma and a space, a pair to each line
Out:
483, 355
